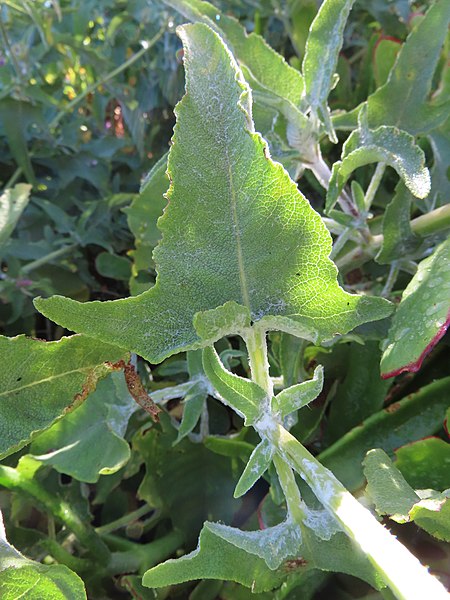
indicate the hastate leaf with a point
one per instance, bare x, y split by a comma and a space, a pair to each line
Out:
42, 381
236, 229
422, 317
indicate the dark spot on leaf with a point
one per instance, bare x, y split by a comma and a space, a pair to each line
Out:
19, 379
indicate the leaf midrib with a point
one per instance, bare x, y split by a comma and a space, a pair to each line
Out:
237, 236
83, 370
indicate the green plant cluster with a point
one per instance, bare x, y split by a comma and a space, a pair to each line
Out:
230, 224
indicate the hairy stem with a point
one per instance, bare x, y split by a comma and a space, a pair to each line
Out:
401, 571
35, 264
374, 185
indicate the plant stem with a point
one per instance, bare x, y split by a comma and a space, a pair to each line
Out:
290, 488
125, 520
10, 51
14, 177
390, 281
35, 264
13, 479
401, 571
259, 362
140, 557
91, 88
433, 222
323, 175
374, 185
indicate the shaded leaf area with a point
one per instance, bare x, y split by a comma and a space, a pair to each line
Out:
393, 496
425, 464
228, 203
388, 145
217, 558
360, 394
399, 241
418, 415
142, 215
187, 475
321, 56
21, 577
403, 100
422, 317
12, 204
42, 381
89, 442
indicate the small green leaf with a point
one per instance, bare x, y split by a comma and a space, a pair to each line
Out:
100, 422
12, 204
15, 117
388, 145
321, 55
387, 487
113, 266
433, 516
299, 395
42, 381
193, 406
422, 317
399, 242
21, 577
425, 463
403, 100
218, 227
245, 396
274, 544
215, 558
416, 416
393, 496
257, 465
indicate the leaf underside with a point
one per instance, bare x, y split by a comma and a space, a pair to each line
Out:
236, 229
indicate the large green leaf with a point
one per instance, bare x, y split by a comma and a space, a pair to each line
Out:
218, 558
89, 442
416, 416
321, 56
12, 204
402, 100
142, 216
42, 381
21, 577
236, 229
422, 317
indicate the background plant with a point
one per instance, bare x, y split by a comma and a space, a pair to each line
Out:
212, 444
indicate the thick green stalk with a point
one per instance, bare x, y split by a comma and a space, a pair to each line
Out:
12, 479
402, 572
